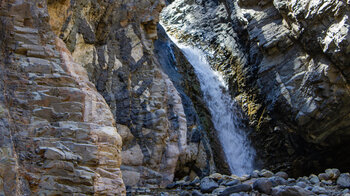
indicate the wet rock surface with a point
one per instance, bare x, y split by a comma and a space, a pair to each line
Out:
285, 63
251, 186
204, 154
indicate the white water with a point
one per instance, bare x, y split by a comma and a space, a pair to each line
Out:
236, 146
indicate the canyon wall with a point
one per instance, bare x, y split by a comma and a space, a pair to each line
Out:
91, 99
113, 40
204, 154
286, 63
58, 135
85, 98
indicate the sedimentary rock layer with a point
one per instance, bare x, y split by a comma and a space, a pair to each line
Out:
58, 135
113, 40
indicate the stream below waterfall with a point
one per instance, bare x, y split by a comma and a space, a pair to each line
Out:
236, 146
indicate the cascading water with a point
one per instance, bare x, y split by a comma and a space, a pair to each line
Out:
236, 146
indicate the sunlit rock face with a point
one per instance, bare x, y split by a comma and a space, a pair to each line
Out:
58, 135
113, 40
287, 63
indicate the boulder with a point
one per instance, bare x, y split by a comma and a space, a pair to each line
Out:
344, 180
236, 189
263, 185
208, 185
290, 191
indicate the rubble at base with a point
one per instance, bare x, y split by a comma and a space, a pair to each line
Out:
263, 182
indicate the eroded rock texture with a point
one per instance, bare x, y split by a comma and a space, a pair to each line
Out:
204, 154
113, 40
58, 135
287, 63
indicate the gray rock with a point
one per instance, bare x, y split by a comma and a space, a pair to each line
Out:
236, 189
276, 181
314, 179
344, 180
265, 173
301, 184
208, 185
196, 193
263, 185
324, 176
319, 190
255, 174
291, 180
333, 173
233, 182
185, 193
218, 191
290, 191
326, 182
195, 182
282, 174
172, 185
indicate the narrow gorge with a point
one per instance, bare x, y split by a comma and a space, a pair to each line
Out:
177, 97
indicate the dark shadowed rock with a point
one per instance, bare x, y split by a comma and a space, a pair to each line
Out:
236, 189
263, 185
290, 191
276, 181
196, 193
333, 173
324, 176
344, 180
233, 182
282, 174
208, 185
301, 184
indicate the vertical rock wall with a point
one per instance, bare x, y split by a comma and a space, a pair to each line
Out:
58, 135
287, 65
204, 154
113, 40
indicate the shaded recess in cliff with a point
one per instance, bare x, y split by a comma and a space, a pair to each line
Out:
284, 62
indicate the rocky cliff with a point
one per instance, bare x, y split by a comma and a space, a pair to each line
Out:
204, 154
74, 74
58, 135
287, 65
91, 101
113, 40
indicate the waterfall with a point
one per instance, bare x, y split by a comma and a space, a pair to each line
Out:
236, 146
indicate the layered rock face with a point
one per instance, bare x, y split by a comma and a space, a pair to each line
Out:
62, 50
78, 77
58, 135
286, 63
113, 40
204, 154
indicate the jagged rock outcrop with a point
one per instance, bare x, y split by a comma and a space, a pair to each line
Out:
204, 154
113, 40
58, 135
286, 63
